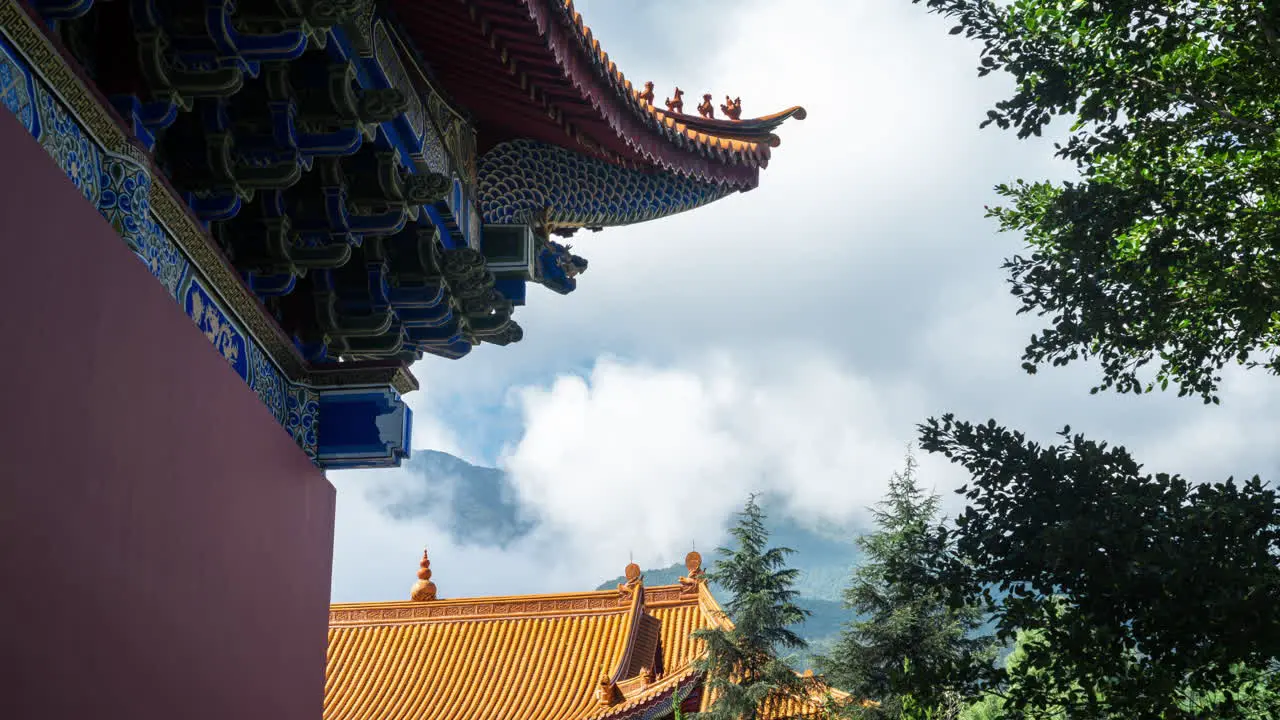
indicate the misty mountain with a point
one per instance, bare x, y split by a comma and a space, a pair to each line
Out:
479, 506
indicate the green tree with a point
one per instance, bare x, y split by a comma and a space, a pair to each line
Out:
1143, 595
742, 661
1166, 251
992, 705
1254, 693
907, 641
1139, 590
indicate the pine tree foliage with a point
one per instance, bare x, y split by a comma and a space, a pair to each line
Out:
907, 641
742, 663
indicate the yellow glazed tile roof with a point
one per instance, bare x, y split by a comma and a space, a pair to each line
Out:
532, 658
604, 655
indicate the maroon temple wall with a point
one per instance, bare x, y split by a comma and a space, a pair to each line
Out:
165, 547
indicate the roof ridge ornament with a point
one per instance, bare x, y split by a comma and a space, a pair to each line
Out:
675, 103
424, 590
634, 579
607, 693
731, 108
732, 127
697, 576
706, 109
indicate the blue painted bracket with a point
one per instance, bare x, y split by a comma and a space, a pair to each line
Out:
363, 428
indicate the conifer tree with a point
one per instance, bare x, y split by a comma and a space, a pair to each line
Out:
907, 639
744, 670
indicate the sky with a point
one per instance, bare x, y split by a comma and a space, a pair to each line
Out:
786, 340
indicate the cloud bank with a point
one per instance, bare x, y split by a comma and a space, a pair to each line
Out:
643, 461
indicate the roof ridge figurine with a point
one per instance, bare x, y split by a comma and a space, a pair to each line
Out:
706, 109
675, 103
732, 109
424, 590
607, 693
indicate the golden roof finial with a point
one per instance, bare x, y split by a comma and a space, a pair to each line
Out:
647, 95
693, 563
424, 590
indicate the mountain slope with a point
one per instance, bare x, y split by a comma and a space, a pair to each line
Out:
477, 505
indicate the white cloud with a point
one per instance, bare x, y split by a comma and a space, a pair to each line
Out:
429, 430
1236, 438
644, 461
637, 460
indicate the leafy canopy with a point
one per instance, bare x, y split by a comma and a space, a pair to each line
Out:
1136, 589
907, 641
1166, 251
743, 668
1252, 693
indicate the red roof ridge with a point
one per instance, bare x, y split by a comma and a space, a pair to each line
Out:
758, 129
730, 129
599, 64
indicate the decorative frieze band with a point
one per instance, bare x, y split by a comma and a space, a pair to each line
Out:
445, 610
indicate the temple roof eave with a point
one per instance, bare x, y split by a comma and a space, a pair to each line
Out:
759, 129
576, 71
673, 684
714, 135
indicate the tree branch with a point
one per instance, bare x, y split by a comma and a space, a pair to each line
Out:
1209, 105
1273, 41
